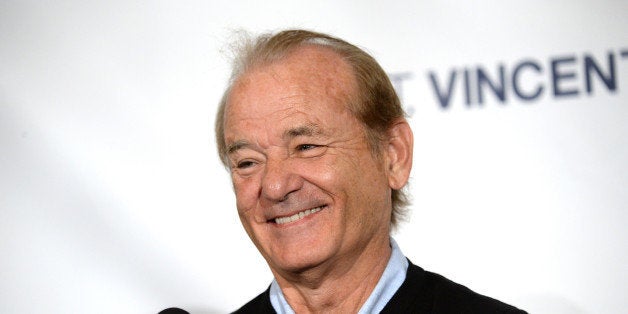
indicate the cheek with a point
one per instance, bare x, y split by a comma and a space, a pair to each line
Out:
246, 192
333, 176
322, 173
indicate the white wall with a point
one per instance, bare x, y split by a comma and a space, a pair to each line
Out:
112, 199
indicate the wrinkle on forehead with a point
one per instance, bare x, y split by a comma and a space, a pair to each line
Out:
307, 69
298, 84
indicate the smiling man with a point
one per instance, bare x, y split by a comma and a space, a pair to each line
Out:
319, 151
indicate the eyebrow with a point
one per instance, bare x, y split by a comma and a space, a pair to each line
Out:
231, 148
305, 130
310, 129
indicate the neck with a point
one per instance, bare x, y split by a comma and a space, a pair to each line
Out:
339, 286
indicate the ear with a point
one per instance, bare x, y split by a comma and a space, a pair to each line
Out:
399, 145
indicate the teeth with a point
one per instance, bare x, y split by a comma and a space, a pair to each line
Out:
295, 217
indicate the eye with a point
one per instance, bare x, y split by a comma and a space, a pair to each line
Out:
304, 147
309, 150
244, 164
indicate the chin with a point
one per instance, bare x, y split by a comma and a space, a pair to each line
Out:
299, 260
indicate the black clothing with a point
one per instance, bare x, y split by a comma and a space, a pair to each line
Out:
421, 292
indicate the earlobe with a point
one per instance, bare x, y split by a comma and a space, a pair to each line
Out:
399, 154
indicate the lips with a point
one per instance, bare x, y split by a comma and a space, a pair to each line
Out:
297, 216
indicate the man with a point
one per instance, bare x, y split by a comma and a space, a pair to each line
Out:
319, 151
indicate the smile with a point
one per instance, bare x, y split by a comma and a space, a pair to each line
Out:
297, 216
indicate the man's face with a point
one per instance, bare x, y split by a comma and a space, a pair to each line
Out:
308, 189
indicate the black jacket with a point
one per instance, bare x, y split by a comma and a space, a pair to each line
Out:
421, 292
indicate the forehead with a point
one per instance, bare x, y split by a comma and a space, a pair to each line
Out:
307, 81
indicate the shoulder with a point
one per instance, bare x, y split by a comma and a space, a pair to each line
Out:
260, 304
427, 292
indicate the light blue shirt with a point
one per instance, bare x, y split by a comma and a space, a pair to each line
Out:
387, 286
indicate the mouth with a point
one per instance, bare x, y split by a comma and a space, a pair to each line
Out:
297, 216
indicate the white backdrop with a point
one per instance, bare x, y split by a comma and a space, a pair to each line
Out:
112, 198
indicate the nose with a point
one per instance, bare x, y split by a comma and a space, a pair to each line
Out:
279, 180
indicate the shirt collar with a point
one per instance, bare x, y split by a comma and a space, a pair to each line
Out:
392, 278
